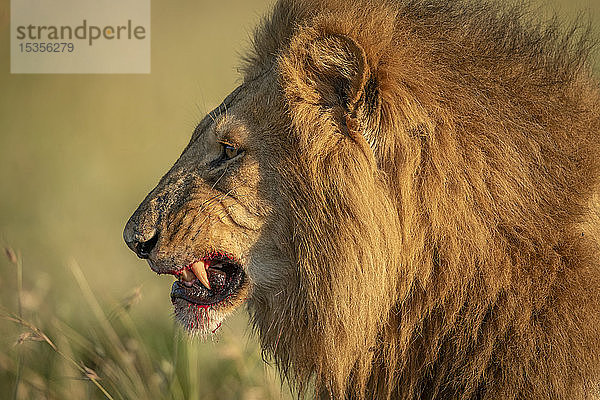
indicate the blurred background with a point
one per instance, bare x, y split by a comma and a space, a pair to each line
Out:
80, 315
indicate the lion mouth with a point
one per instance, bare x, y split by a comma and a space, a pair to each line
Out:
208, 281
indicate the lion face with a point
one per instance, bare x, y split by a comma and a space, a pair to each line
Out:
203, 220
279, 201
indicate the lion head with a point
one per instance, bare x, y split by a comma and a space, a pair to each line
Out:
397, 192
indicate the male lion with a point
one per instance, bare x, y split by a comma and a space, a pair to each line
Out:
402, 193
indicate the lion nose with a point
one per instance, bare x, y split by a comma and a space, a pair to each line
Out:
141, 243
143, 249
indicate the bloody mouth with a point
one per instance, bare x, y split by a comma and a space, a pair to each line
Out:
208, 281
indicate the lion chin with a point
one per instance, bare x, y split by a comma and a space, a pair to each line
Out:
404, 195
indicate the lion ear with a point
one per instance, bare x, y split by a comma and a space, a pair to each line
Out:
331, 72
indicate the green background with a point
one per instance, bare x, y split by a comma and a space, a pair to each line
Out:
77, 155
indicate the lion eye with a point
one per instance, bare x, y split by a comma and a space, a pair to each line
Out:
229, 151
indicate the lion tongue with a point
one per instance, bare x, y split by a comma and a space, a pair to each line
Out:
199, 269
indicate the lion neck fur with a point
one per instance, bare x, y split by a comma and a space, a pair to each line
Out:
456, 265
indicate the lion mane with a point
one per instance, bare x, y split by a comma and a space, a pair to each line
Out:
440, 214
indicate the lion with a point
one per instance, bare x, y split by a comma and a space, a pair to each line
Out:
404, 196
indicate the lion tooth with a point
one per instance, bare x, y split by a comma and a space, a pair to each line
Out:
187, 276
199, 269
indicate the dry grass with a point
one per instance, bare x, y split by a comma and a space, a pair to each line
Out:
111, 355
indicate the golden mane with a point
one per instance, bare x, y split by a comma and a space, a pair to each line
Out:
447, 250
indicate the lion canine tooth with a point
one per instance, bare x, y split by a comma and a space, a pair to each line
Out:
199, 269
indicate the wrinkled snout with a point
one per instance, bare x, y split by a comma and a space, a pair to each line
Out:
167, 225
142, 231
